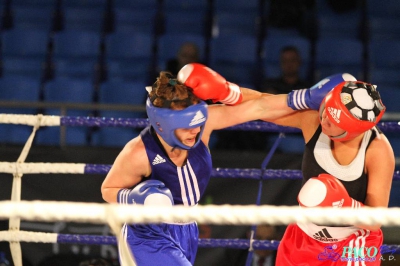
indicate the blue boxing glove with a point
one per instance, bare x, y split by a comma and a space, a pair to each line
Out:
149, 192
311, 98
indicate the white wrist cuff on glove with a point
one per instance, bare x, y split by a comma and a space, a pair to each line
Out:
234, 94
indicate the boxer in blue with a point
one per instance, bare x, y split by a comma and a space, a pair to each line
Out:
169, 163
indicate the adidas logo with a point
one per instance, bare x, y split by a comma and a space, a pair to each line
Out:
197, 119
338, 204
335, 113
324, 235
158, 160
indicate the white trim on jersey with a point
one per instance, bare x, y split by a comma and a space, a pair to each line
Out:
182, 185
196, 185
324, 157
190, 191
189, 175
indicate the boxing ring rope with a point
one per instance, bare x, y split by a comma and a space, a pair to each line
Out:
15, 210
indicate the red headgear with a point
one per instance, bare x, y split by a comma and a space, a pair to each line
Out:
353, 106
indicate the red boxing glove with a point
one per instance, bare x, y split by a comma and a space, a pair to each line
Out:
209, 85
326, 191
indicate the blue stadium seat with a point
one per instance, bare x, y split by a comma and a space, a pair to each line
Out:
33, 3
169, 45
237, 23
69, 90
134, 20
384, 28
390, 96
128, 55
67, 68
375, 8
123, 92
383, 53
83, 19
339, 25
114, 136
338, 55
15, 42
76, 44
92, 4
191, 22
66, 90
136, 4
385, 77
234, 57
119, 92
27, 17
17, 88
76, 53
243, 6
185, 5
20, 58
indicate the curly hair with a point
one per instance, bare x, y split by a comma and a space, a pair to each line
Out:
168, 92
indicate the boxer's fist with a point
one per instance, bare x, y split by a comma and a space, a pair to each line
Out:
209, 85
311, 98
149, 192
325, 191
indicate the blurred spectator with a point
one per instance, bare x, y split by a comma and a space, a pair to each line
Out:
265, 257
188, 53
290, 64
238, 257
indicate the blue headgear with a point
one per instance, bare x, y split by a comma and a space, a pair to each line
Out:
169, 120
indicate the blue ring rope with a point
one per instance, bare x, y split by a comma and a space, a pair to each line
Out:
143, 122
247, 173
203, 242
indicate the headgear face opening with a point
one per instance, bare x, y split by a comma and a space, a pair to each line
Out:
165, 121
353, 106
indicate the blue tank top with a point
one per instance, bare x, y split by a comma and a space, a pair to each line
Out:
187, 183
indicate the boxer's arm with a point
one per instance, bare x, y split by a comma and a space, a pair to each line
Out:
128, 169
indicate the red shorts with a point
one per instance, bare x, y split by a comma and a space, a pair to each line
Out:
360, 248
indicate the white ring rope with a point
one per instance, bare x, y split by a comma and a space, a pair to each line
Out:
26, 236
30, 120
48, 211
42, 168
